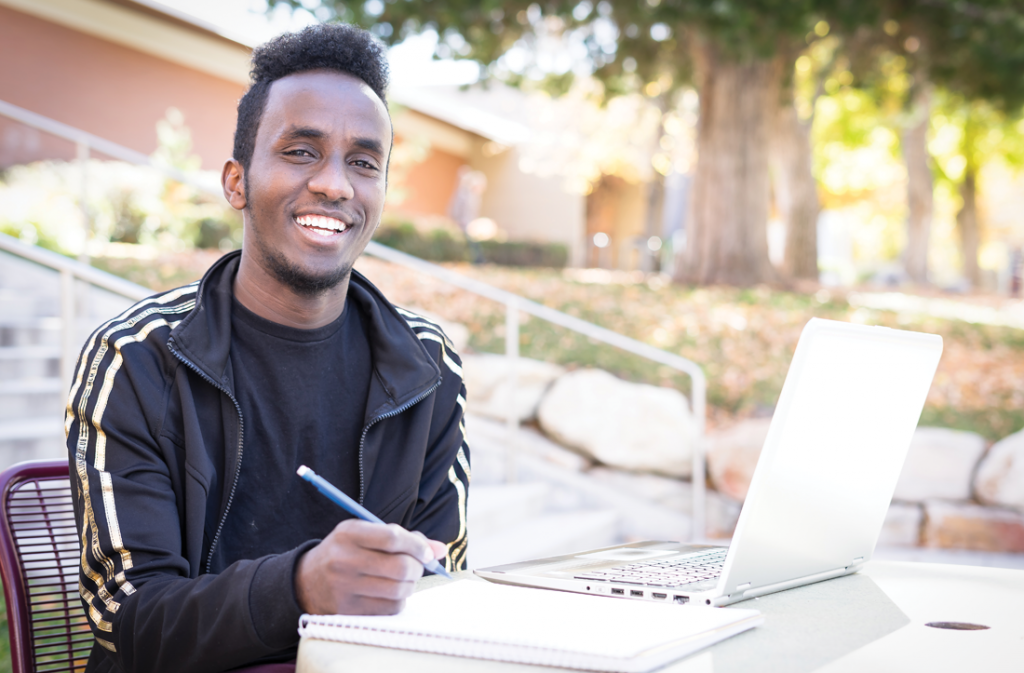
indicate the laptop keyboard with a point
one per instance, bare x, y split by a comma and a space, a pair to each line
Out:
675, 572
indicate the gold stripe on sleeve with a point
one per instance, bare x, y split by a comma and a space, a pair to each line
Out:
460, 488
162, 299
100, 459
101, 623
464, 462
91, 543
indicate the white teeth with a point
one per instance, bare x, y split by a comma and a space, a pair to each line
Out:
321, 222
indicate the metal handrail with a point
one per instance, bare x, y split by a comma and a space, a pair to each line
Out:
89, 141
70, 270
89, 274
513, 303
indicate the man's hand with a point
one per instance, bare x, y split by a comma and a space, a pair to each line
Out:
363, 568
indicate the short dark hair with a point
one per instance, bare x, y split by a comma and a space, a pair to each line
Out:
333, 46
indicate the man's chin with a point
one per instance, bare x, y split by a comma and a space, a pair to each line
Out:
304, 282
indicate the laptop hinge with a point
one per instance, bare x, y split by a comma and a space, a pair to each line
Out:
789, 584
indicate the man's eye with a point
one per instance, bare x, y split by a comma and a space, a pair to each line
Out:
299, 153
364, 164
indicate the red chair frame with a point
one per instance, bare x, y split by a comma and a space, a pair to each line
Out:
39, 559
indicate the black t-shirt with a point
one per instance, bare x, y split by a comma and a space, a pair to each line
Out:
303, 398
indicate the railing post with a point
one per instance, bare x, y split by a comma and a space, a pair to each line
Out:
698, 531
512, 356
82, 148
68, 342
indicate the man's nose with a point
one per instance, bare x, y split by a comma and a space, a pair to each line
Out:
332, 181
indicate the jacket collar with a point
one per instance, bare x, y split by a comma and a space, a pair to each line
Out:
402, 366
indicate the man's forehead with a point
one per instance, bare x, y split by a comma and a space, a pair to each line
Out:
324, 97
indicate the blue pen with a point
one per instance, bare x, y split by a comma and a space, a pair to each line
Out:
353, 507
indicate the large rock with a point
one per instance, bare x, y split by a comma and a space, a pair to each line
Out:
492, 436
902, 527
673, 494
487, 385
1000, 477
733, 453
950, 525
939, 465
627, 425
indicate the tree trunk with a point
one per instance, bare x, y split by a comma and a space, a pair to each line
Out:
726, 237
796, 191
919, 188
967, 222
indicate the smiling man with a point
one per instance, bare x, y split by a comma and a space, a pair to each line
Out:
190, 413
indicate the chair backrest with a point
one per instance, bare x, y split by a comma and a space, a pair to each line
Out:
39, 560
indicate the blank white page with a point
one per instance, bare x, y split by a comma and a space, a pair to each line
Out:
477, 612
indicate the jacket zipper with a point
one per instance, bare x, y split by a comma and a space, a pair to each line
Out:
241, 431
393, 412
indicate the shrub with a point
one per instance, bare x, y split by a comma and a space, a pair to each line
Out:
443, 245
522, 253
436, 245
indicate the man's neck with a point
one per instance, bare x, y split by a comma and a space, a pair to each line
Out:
269, 298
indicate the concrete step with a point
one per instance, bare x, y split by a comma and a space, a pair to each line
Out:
546, 535
29, 353
29, 330
49, 448
31, 322
497, 507
19, 362
31, 386
572, 489
43, 427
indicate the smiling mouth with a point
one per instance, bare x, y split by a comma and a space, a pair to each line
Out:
322, 225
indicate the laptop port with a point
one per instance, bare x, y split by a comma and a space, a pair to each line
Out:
618, 592
662, 596
636, 592
682, 600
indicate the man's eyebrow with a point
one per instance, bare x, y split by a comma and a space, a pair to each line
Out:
370, 144
297, 132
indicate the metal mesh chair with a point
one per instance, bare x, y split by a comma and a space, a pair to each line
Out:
39, 559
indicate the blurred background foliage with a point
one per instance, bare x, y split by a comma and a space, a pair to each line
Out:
126, 204
868, 86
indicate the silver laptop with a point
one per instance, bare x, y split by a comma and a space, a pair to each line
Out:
819, 494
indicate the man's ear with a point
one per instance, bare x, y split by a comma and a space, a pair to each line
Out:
232, 179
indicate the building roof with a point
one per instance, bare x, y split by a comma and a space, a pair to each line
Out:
155, 28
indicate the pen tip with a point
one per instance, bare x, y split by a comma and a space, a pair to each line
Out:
302, 470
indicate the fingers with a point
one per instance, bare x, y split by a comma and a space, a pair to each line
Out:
439, 548
392, 538
363, 568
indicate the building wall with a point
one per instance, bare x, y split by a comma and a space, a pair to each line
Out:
105, 88
525, 206
619, 209
429, 183
529, 207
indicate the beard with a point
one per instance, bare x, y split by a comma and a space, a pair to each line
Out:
300, 280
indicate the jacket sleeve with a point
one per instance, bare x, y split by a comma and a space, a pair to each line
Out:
148, 609
442, 510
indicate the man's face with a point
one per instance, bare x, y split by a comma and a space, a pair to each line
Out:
314, 190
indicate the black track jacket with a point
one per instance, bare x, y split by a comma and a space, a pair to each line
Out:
155, 440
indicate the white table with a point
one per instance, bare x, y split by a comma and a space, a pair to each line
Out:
868, 622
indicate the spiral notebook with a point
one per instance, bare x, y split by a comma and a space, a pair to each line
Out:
489, 621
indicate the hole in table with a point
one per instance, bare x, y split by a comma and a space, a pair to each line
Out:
957, 626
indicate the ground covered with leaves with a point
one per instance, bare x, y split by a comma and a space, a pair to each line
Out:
743, 338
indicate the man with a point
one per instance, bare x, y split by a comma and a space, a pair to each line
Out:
190, 413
